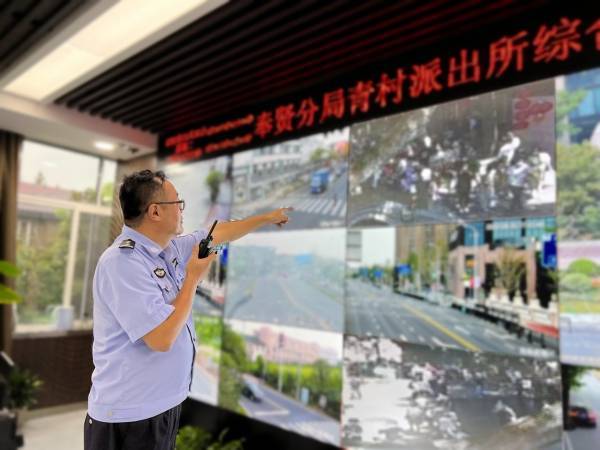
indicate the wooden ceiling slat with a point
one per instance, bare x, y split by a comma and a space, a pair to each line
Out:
17, 14
26, 26
3, 5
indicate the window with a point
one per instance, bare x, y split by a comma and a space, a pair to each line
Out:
540, 228
63, 219
509, 231
474, 234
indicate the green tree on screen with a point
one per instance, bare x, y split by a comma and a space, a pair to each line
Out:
579, 183
234, 362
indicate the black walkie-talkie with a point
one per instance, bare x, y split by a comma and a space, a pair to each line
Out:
204, 249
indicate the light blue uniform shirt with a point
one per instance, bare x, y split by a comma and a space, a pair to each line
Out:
133, 291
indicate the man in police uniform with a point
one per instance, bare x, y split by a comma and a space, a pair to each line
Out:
144, 334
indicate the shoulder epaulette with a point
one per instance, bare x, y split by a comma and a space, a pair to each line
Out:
127, 243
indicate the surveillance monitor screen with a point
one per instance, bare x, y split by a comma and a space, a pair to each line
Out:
293, 278
419, 397
480, 286
286, 376
308, 174
471, 159
581, 391
578, 151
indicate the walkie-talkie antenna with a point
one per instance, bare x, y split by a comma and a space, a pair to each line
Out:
211, 229
204, 250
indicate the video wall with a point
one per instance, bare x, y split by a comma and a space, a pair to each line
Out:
412, 301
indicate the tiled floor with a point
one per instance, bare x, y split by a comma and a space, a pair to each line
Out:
55, 428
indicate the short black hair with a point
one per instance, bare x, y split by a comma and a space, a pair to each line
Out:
137, 191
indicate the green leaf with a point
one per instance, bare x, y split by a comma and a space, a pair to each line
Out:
9, 269
8, 296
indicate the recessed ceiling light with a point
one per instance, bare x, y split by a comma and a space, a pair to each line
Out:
101, 145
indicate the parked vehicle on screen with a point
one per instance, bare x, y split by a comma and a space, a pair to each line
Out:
319, 181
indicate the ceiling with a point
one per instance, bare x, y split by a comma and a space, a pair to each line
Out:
249, 51
28, 29
25, 23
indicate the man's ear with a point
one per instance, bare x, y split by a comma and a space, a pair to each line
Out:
153, 212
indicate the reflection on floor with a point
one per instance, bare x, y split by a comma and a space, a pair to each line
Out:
59, 428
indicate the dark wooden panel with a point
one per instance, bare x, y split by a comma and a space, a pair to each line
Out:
63, 362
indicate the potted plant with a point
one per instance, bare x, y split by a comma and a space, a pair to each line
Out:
7, 295
192, 438
195, 438
219, 444
22, 389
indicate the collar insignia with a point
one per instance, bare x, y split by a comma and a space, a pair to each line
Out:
127, 243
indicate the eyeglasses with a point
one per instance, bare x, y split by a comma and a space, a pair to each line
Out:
181, 204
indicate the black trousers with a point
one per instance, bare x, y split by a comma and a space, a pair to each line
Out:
156, 433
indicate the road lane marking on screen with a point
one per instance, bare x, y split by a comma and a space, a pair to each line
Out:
334, 205
495, 334
307, 205
567, 441
462, 330
338, 208
300, 306
425, 318
322, 206
312, 206
277, 411
319, 209
328, 207
439, 343
303, 205
271, 413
